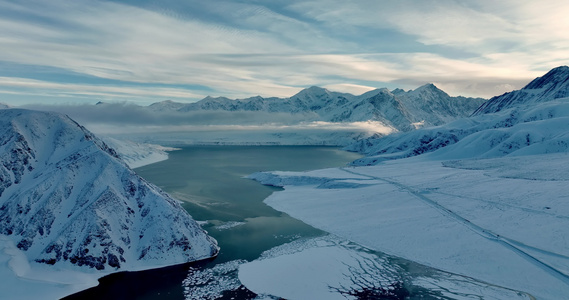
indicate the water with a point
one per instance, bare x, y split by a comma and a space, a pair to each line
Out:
209, 179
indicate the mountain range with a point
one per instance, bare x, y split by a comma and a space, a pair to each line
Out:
399, 109
532, 120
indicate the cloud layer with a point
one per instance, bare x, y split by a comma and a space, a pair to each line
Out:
184, 50
129, 119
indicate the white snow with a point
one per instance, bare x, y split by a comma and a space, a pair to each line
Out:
319, 268
332, 268
72, 211
487, 219
20, 280
538, 129
397, 109
137, 155
211, 283
485, 197
553, 85
309, 274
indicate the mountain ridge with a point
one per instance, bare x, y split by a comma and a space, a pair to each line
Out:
523, 122
553, 85
402, 110
66, 199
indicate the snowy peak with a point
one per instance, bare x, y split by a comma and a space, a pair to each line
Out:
312, 91
429, 89
426, 105
67, 200
215, 99
556, 77
551, 86
529, 121
166, 105
370, 93
398, 91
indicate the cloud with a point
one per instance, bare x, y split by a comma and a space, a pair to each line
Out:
66, 90
117, 115
160, 50
125, 118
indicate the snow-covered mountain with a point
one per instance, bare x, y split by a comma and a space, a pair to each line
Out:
532, 120
426, 105
553, 85
67, 200
167, 105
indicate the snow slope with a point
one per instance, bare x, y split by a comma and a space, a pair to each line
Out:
515, 131
553, 85
136, 155
68, 203
332, 268
501, 222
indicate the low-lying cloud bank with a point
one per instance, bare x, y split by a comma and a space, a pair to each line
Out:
140, 124
123, 114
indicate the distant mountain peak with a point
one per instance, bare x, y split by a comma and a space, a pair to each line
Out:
428, 86
316, 89
555, 76
431, 89
553, 85
313, 90
210, 98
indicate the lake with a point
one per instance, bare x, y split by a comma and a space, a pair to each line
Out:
209, 180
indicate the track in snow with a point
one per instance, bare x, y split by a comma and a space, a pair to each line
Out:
488, 234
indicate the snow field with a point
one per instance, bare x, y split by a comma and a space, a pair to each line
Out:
508, 231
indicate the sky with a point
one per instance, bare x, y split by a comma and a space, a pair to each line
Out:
146, 51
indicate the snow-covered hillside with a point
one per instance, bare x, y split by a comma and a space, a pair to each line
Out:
424, 106
521, 125
67, 201
553, 85
501, 221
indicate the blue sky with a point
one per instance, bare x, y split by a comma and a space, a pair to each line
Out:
59, 51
